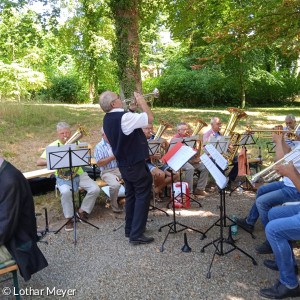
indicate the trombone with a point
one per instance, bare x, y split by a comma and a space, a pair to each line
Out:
268, 174
132, 100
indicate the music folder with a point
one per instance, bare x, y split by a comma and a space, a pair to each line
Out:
59, 156
178, 156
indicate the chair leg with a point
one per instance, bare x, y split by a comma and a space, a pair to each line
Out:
16, 284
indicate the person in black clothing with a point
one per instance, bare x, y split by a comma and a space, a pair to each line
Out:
130, 147
18, 231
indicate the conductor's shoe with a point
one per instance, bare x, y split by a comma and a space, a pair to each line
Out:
279, 291
243, 223
264, 248
142, 240
271, 264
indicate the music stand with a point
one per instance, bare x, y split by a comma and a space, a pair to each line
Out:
175, 160
246, 139
190, 142
69, 156
153, 147
219, 242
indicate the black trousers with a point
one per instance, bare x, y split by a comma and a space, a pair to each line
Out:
138, 184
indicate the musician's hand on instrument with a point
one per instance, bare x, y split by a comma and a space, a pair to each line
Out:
285, 170
196, 160
277, 138
157, 156
139, 98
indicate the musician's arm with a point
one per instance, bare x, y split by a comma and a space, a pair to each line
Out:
144, 106
104, 161
281, 146
42, 162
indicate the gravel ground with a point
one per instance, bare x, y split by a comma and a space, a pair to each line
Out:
103, 265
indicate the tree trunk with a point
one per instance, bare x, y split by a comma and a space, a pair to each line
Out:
127, 45
242, 85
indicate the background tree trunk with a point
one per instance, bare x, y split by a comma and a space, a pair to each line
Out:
127, 45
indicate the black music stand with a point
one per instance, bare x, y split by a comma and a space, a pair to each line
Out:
246, 139
190, 142
69, 156
173, 225
153, 147
46, 230
219, 242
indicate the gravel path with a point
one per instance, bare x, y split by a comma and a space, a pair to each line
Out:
103, 265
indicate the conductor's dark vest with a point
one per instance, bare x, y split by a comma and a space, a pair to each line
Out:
128, 149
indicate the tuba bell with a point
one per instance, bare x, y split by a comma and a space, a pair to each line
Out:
65, 172
235, 116
161, 129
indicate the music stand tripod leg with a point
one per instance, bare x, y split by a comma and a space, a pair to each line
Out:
219, 249
172, 225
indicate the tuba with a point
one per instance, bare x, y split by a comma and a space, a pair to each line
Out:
199, 125
235, 116
161, 129
65, 172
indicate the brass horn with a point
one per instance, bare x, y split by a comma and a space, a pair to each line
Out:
161, 129
80, 132
200, 124
131, 100
268, 174
235, 116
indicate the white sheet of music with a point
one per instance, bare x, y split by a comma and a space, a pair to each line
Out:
219, 159
181, 157
220, 179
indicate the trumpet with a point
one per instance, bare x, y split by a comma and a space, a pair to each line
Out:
268, 174
288, 134
132, 100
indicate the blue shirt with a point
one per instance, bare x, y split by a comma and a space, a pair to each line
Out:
104, 150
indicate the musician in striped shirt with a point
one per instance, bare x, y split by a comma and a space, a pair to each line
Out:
110, 173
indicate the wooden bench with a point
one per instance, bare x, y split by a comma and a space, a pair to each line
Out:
11, 268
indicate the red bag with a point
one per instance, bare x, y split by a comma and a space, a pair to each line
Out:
184, 201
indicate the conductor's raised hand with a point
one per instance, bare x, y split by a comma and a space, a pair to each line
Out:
139, 98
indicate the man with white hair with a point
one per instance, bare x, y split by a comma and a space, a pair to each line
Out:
81, 179
130, 147
106, 162
290, 122
216, 125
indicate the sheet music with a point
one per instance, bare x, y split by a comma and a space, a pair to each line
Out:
153, 146
181, 157
220, 179
219, 159
220, 142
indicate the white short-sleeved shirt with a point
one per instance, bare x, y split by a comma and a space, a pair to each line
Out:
286, 180
131, 121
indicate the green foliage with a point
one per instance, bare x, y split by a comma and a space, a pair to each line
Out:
66, 89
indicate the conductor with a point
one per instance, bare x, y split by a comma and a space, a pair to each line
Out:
130, 147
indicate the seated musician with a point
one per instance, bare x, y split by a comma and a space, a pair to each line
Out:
272, 194
192, 165
216, 125
18, 231
290, 122
64, 184
110, 173
284, 227
161, 175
